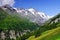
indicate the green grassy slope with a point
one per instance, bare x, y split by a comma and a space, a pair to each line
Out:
53, 34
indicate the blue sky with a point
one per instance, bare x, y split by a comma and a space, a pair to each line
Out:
49, 7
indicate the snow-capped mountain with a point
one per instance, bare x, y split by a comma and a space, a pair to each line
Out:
31, 14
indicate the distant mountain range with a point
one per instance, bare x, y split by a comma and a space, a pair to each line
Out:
31, 14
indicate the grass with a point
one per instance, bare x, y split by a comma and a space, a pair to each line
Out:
31, 38
53, 34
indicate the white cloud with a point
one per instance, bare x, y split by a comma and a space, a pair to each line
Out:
9, 2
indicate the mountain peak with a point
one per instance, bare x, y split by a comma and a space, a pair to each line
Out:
31, 9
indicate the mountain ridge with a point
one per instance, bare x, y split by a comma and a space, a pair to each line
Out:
31, 14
